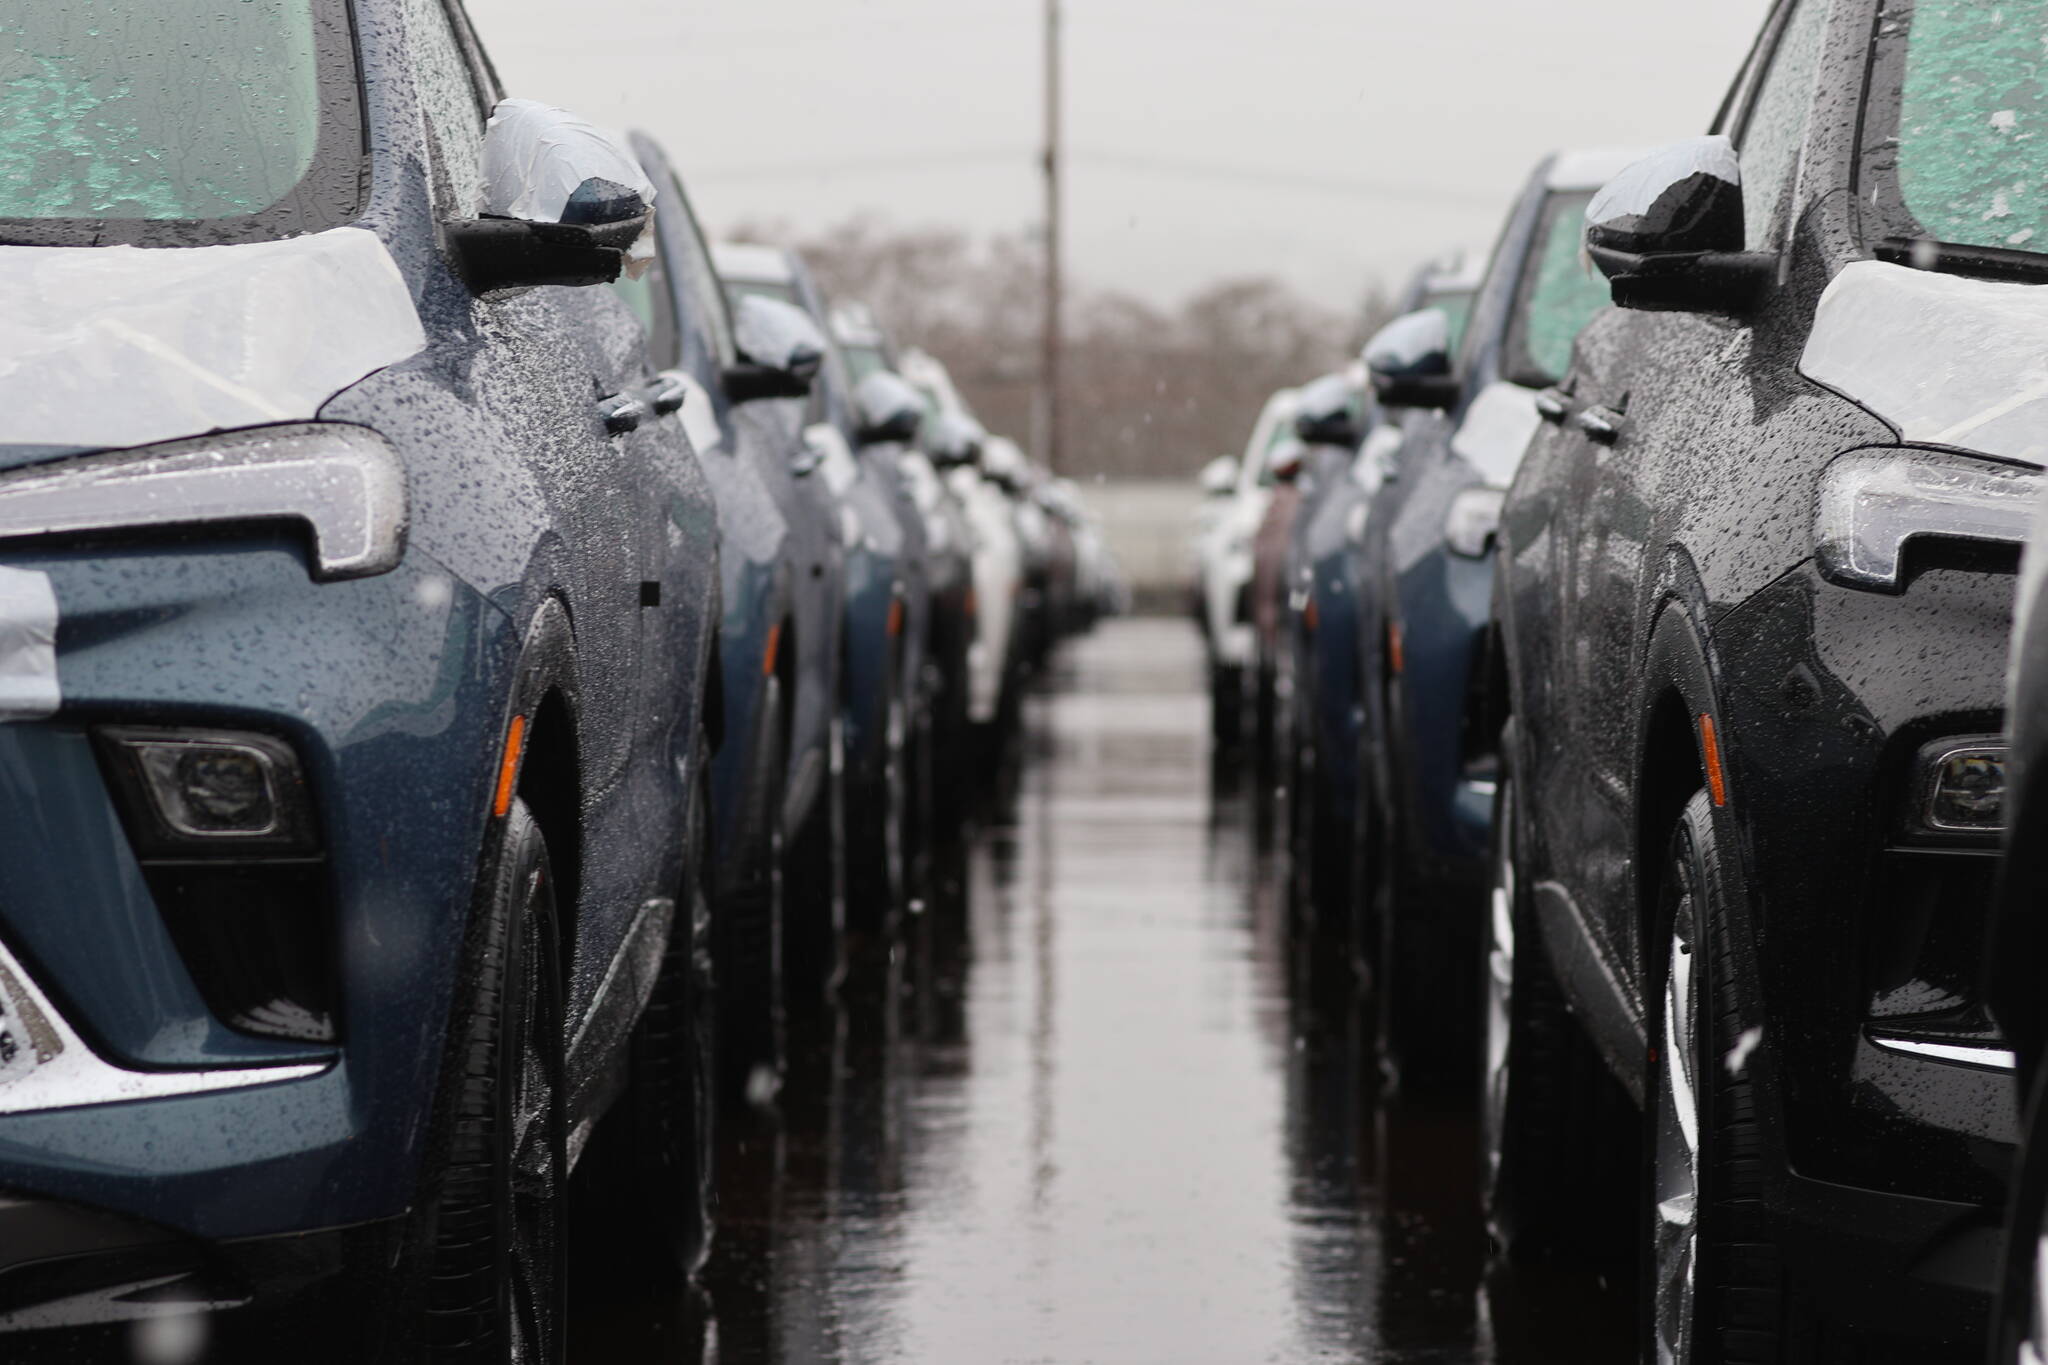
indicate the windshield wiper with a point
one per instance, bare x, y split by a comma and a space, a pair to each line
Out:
1955, 258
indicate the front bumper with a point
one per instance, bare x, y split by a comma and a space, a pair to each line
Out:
391, 690
80, 1285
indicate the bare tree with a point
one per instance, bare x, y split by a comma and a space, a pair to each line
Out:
1151, 392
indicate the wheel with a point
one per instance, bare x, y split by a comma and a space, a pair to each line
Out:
2021, 1322
493, 1281
645, 1184
876, 812
747, 917
1226, 705
1716, 1292
1428, 1000
1551, 1122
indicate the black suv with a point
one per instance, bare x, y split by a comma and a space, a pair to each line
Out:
1757, 576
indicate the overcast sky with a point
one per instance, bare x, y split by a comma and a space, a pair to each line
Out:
1331, 142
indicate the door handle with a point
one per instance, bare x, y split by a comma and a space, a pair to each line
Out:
667, 394
623, 412
1553, 404
1602, 424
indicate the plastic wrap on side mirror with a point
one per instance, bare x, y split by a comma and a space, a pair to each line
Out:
778, 336
890, 410
1219, 476
953, 440
1329, 412
1409, 360
546, 165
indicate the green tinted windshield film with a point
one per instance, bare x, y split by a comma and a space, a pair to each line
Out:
155, 109
1973, 122
862, 361
1457, 311
1559, 296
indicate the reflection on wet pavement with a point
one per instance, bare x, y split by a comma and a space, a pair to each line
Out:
1094, 1106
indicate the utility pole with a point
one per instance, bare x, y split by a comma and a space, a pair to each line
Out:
1050, 366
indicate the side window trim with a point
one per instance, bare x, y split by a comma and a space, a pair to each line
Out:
1741, 96
483, 74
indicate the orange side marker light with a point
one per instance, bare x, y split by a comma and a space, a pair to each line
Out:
508, 767
773, 647
1710, 749
1310, 616
1394, 646
895, 618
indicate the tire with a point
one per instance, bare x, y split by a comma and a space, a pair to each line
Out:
1226, 705
2020, 1324
649, 1170
876, 814
1552, 1120
747, 918
493, 1278
1716, 1290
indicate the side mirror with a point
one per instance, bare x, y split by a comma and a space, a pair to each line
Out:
1286, 459
1327, 413
953, 441
1668, 233
890, 410
1219, 476
564, 203
1409, 360
781, 350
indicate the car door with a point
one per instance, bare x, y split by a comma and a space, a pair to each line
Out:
1645, 407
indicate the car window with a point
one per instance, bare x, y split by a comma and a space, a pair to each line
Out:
1973, 123
699, 277
1558, 296
1456, 306
762, 289
862, 361
1774, 127
644, 287
239, 113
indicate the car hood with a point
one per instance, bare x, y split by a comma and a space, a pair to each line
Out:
1942, 359
125, 346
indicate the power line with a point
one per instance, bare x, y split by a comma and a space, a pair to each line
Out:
1100, 158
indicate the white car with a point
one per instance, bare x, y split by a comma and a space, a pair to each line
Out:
957, 441
1228, 521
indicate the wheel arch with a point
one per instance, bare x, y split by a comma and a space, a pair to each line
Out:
549, 777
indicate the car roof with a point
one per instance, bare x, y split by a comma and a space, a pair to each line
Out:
752, 262
1591, 168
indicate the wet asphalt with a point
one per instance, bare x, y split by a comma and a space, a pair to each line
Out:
1093, 1102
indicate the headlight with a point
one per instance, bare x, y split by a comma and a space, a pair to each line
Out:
1474, 517
1872, 502
345, 483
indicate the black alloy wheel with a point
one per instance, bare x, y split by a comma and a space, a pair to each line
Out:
1716, 1290
494, 1281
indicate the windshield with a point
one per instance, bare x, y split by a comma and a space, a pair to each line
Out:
1962, 83
1558, 296
173, 122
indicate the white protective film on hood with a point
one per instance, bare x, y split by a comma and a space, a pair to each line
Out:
28, 645
122, 346
1946, 360
536, 156
1496, 431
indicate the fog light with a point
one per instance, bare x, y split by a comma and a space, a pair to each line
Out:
211, 788
1961, 789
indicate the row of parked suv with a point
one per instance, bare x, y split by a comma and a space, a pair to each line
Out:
1641, 672
472, 655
